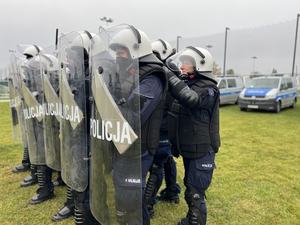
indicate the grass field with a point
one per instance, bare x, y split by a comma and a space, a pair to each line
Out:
257, 180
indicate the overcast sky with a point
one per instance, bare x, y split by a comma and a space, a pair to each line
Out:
35, 21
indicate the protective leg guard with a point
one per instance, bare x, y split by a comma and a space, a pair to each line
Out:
153, 184
78, 216
83, 215
25, 166
45, 190
26, 160
197, 212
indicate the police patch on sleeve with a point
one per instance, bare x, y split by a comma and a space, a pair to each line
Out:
211, 92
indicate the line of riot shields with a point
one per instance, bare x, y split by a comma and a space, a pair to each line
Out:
78, 113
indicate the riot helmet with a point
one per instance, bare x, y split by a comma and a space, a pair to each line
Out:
134, 40
31, 51
193, 61
162, 49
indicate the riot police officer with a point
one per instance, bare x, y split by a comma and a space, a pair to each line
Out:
33, 113
163, 160
29, 52
17, 116
194, 126
74, 53
134, 54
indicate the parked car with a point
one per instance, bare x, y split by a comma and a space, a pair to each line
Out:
269, 93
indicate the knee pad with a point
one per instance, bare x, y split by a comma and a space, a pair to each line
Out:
197, 213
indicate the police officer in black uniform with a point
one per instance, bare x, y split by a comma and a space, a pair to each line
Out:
131, 44
163, 160
194, 126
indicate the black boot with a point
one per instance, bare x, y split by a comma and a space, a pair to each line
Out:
31, 179
59, 181
153, 184
68, 209
25, 166
83, 215
169, 196
197, 209
45, 190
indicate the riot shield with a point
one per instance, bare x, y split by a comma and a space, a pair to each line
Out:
50, 81
15, 63
115, 179
74, 75
14, 102
32, 93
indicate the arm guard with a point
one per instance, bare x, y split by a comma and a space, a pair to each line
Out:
180, 90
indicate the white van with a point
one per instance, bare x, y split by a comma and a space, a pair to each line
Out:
269, 93
230, 88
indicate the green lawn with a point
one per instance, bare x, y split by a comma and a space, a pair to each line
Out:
257, 181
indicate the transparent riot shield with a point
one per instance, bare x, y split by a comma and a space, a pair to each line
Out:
50, 81
32, 93
74, 75
115, 179
15, 79
14, 102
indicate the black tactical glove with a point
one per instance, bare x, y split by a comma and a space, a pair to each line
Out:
183, 77
175, 84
